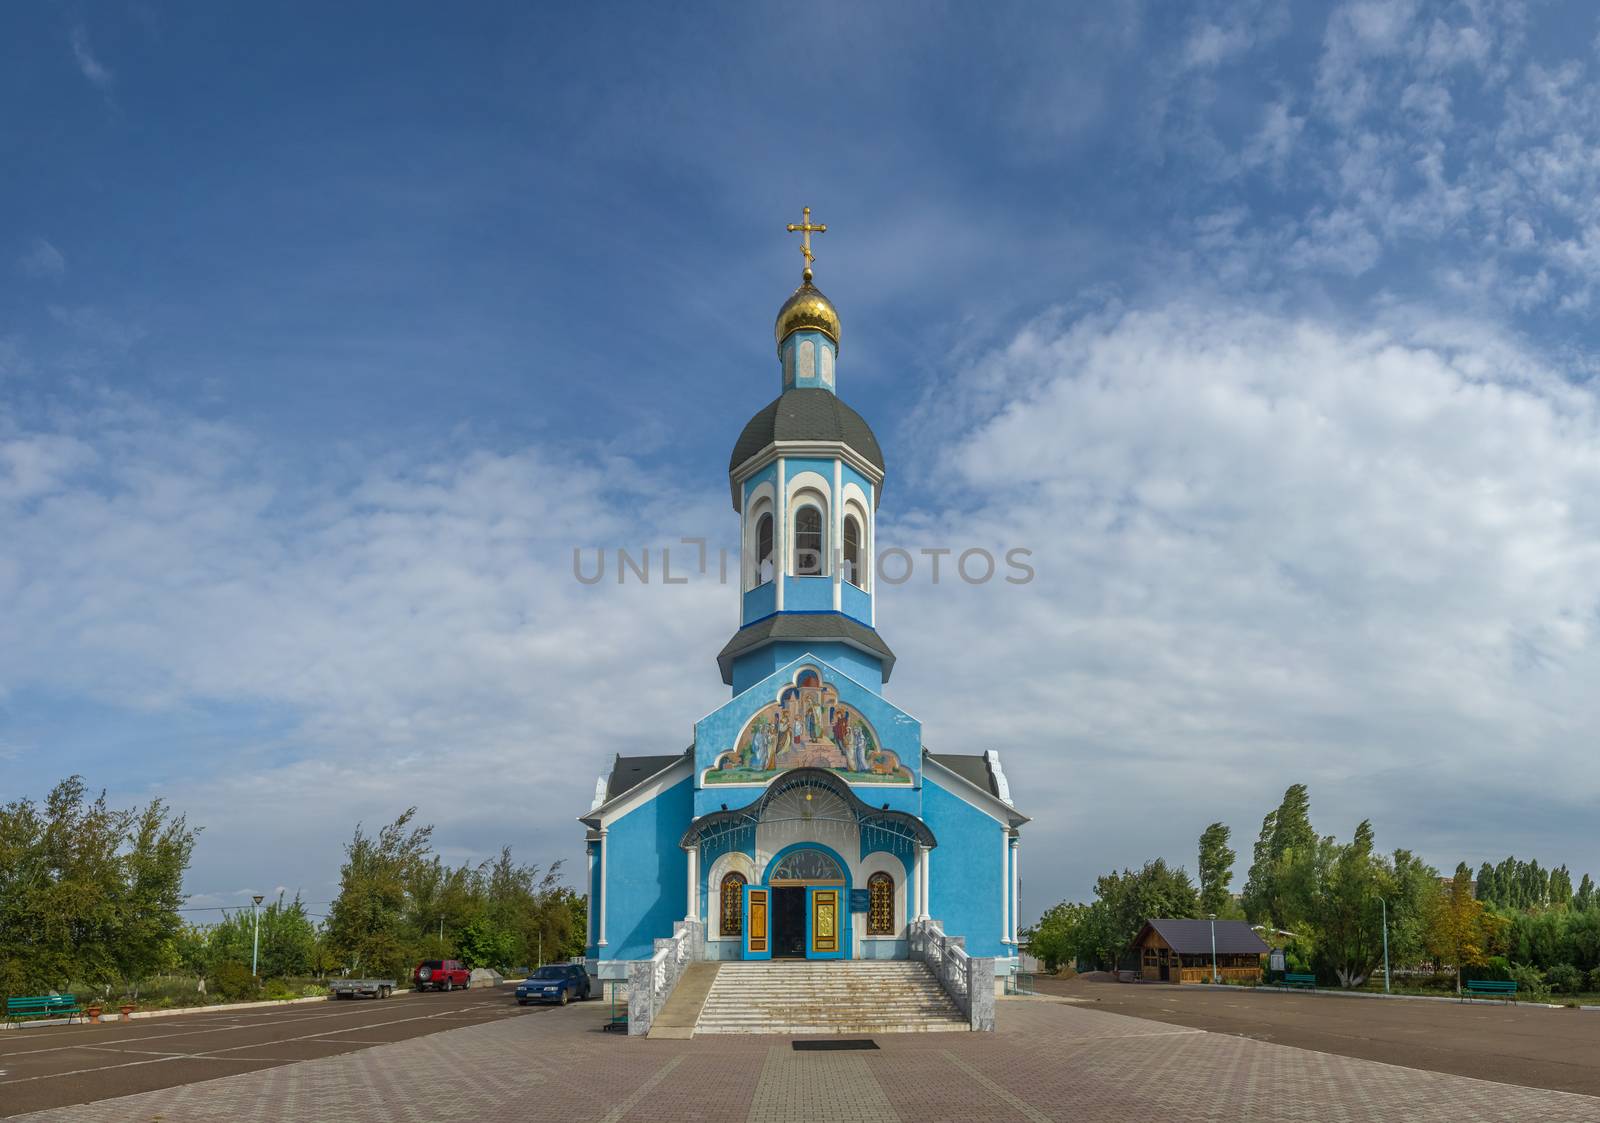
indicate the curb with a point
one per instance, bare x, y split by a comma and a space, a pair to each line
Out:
173, 1012
226, 1006
1322, 993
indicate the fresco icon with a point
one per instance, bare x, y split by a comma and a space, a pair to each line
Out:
808, 727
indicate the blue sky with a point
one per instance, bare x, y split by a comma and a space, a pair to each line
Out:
326, 335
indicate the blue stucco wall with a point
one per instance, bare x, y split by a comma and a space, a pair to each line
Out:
849, 475
965, 872
769, 474
855, 603
647, 873
808, 594
759, 602
751, 668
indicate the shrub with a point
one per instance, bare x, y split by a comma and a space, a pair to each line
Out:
1594, 980
1498, 969
1564, 978
1530, 982
235, 983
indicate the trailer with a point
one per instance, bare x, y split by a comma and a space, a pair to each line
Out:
370, 988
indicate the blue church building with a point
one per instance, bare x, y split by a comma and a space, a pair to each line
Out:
808, 818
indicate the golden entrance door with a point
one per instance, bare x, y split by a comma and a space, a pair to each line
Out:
757, 923
824, 940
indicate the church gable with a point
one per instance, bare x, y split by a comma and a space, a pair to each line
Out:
808, 714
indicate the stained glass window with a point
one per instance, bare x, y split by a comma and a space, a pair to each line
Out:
807, 865
880, 902
732, 905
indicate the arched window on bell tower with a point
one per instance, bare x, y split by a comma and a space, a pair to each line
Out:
763, 559
808, 541
852, 551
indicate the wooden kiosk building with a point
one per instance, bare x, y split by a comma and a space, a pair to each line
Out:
1180, 951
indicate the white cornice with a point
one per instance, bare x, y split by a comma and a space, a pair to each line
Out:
771, 452
641, 793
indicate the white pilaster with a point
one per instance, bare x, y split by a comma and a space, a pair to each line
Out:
1016, 889
694, 883
871, 559
601, 942
591, 903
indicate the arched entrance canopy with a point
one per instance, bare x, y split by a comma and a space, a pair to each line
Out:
774, 806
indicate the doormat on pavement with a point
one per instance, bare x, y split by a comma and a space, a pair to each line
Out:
834, 1043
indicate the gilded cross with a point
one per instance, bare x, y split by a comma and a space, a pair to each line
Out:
805, 228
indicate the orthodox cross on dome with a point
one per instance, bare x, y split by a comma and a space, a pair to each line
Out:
805, 228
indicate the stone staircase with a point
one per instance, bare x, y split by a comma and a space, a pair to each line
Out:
841, 996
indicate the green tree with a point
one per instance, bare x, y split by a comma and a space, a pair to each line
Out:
1584, 899
1415, 889
158, 850
1462, 932
366, 926
1132, 897
1215, 869
1054, 939
88, 893
1282, 877
1559, 893
1346, 914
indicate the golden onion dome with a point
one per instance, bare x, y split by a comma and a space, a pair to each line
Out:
808, 308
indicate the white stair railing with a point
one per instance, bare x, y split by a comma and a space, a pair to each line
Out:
967, 979
650, 981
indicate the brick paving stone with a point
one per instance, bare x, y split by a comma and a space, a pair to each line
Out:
1048, 1061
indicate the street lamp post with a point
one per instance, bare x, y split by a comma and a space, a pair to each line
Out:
1385, 905
1213, 917
255, 943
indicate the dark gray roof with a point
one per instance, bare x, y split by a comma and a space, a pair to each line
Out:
974, 770
1193, 937
630, 771
806, 414
803, 626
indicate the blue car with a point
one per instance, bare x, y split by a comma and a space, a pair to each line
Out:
559, 983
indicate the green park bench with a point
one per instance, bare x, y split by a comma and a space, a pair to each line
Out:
1490, 988
1308, 982
43, 1006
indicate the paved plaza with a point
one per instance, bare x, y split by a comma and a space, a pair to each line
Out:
1050, 1060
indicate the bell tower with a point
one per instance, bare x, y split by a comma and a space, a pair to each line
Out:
806, 475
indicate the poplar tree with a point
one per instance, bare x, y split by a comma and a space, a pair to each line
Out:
1216, 869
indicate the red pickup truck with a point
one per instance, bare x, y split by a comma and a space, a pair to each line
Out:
440, 974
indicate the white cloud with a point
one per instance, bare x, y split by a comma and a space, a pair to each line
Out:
88, 65
1268, 549
1271, 549
42, 260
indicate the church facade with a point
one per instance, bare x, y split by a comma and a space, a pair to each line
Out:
807, 818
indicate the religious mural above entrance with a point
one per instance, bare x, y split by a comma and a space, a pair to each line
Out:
808, 727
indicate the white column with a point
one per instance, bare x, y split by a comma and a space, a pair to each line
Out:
780, 531
694, 883
1016, 889
601, 942
922, 882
